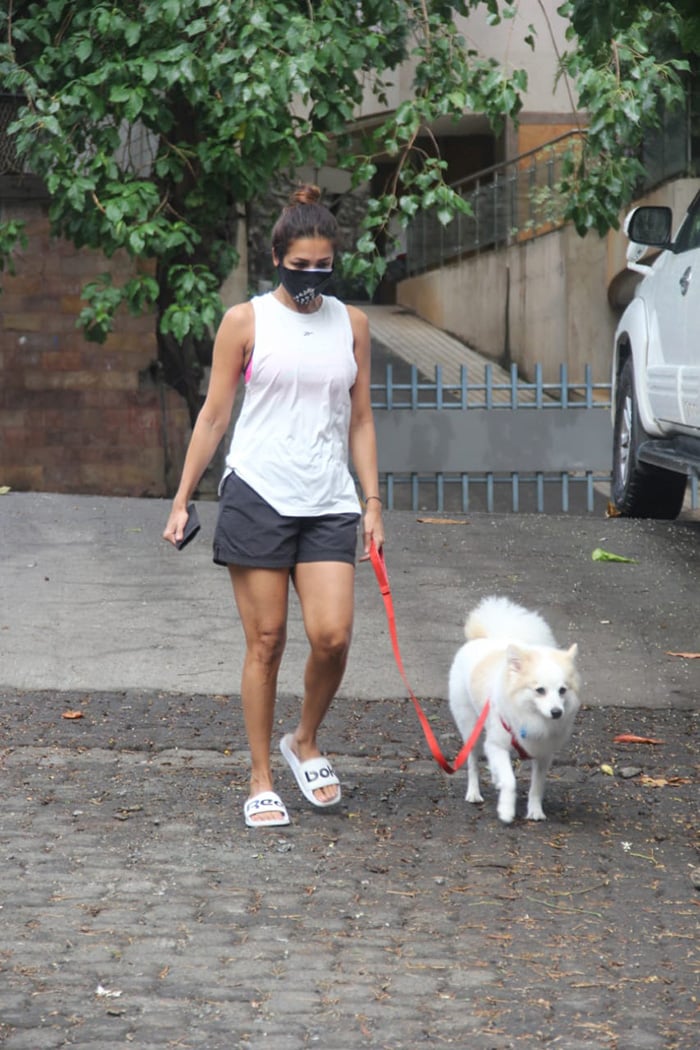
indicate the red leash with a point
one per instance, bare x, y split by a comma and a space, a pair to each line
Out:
377, 559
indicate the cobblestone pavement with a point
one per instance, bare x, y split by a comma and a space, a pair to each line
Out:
137, 910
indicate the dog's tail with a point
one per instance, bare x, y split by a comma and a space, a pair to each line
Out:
501, 618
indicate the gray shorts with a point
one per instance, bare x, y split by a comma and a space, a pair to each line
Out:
250, 532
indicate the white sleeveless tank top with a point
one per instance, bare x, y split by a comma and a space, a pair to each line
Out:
290, 442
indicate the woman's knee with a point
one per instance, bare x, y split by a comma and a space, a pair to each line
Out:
331, 644
267, 647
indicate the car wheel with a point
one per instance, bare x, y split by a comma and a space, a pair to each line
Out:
639, 490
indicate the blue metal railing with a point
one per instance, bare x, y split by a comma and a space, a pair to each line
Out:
546, 411
492, 392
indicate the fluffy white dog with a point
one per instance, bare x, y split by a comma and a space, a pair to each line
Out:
510, 659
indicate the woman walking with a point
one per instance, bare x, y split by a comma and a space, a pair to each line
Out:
288, 506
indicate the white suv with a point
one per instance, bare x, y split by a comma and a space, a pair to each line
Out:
656, 368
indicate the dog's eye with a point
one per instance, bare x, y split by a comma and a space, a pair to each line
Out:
562, 690
541, 691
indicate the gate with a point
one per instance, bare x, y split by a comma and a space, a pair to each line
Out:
492, 445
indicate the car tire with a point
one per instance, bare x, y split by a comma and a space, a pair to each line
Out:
639, 490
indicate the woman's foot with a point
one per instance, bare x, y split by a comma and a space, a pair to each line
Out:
265, 809
313, 772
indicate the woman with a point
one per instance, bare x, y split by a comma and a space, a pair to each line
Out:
288, 506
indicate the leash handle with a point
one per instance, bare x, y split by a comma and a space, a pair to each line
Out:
379, 565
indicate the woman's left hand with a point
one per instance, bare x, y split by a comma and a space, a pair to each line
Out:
372, 527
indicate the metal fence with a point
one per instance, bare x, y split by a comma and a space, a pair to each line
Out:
495, 446
9, 162
510, 201
517, 199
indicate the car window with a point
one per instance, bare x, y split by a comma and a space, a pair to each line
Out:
689, 233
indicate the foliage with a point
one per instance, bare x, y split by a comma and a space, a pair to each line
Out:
11, 235
596, 22
154, 123
624, 83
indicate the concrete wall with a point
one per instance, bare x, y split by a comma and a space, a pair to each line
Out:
543, 301
549, 300
77, 416
506, 43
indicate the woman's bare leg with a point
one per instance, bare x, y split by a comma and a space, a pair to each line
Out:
326, 596
262, 600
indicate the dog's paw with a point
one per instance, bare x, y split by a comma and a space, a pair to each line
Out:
473, 795
535, 812
506, 814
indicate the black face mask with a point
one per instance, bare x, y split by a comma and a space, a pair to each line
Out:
304, 285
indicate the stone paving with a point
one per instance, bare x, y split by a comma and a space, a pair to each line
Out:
137, 910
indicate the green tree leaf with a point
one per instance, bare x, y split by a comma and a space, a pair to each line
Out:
155, 122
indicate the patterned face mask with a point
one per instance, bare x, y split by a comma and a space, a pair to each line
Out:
304, 285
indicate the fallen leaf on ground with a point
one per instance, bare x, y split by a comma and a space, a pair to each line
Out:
612, 511
662, 782
442, 521
630, 738
653, 782
600, 555
72, 714
685, 656
608, 770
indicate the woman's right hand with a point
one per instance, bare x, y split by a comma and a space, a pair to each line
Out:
235, 338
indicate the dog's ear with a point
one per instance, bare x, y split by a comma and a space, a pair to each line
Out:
572, 652
514, 657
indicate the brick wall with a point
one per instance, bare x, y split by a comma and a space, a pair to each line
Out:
77, 416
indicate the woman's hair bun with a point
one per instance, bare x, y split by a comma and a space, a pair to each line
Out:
304, 216
306, 194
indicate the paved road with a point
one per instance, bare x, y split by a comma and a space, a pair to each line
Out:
137, 911
93, 599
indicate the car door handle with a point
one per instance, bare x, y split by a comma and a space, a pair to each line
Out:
685, 280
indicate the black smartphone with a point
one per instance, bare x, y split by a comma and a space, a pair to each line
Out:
191, 528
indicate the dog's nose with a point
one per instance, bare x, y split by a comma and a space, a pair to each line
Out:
556, 712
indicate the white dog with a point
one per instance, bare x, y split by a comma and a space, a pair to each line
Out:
510, 659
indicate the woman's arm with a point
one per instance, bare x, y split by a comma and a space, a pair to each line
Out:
232, 346
363, 440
